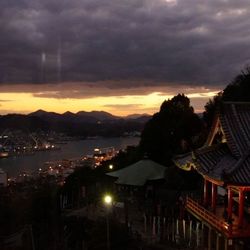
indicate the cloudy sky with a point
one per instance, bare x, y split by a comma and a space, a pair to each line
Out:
122, 56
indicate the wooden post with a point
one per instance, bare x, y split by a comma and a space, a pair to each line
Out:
230, 203
173, 230
202, 234
177, 236
164, 228
217, 241
159, 226
205, 201
145, 223
197, 234
154, 228
209, 247
190, 232
241, 207
184, 228
169, 228
214, 196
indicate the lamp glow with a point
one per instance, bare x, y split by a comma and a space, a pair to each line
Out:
108, 199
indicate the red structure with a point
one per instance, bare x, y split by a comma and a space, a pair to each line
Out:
224, 163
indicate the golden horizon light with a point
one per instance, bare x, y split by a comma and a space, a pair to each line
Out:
121, 105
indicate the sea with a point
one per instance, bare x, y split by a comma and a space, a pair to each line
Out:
73, 149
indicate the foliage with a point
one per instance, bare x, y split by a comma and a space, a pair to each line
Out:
94, 181
33, 202
125, 158
171, 131
237, 91
210, 109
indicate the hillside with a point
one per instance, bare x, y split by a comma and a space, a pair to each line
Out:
82, 123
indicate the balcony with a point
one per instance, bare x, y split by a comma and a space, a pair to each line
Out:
217, 221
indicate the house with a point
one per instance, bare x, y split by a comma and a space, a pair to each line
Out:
224, 163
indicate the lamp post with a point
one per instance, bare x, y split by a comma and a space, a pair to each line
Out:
108, 202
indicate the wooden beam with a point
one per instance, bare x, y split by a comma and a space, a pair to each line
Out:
205, 199
217, 182
230, 203
241, 207
214, 196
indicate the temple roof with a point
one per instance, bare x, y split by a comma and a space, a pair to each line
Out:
235, 121
230, 161
215, 161
184, 161
139, 173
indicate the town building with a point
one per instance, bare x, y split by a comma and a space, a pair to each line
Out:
224, 163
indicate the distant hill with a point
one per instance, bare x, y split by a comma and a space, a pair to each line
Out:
99, 115
94, 123
22, 122
135, 116
90, 117
142, 119
65, 117
44, 114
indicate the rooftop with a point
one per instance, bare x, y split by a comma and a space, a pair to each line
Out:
226, 154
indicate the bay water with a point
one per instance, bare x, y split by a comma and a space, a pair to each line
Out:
73, 149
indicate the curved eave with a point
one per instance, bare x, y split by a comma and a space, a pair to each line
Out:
185, 161
186, 167
213, 180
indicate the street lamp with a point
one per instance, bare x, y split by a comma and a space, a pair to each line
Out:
111, 166
108, 199
108, 202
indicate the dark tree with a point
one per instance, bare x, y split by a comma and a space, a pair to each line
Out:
171, 131
237, 91
210, 109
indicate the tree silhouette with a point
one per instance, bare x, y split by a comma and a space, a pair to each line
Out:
171, 131
237, 91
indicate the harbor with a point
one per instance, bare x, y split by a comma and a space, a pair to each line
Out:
71, 155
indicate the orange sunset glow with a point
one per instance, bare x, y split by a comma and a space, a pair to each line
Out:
121, 105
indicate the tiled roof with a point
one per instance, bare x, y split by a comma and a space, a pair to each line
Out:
214, 161
235, 122
139, 173
230, 161
241, 172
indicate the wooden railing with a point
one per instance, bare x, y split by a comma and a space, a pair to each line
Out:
194, 207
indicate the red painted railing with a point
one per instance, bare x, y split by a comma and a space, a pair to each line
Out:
215, 221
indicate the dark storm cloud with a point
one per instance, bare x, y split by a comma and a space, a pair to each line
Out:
83, 90
123, 43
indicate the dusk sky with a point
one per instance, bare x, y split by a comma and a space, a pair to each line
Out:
121, 56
